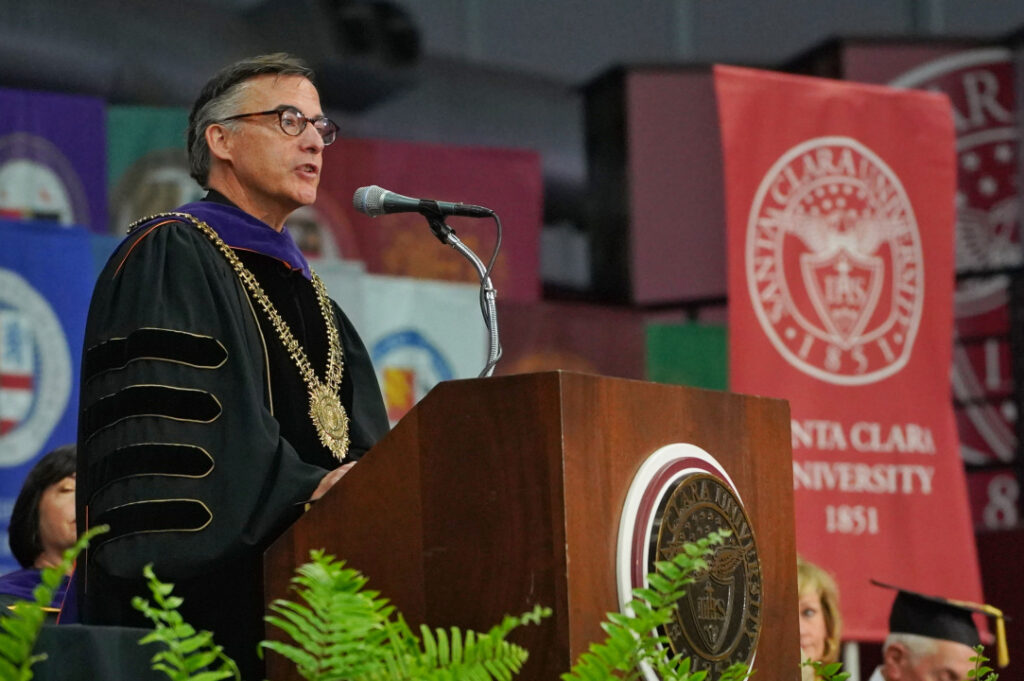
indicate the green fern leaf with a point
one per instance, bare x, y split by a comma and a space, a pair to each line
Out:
429, 644
7, 670
297, 656
456, 646
211, 676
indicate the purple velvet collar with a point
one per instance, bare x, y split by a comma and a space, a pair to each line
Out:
242, 231
21, 583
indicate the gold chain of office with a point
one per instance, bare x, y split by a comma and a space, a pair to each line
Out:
325, 408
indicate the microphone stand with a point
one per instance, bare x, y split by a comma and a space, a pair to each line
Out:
488, 294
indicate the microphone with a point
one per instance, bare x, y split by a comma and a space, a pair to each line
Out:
376, 201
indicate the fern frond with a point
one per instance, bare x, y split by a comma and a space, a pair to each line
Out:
632, 641
19, 631
345, 631
187, 655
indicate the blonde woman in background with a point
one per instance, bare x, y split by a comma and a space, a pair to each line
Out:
820, 621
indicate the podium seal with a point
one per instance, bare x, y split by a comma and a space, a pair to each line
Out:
680, 495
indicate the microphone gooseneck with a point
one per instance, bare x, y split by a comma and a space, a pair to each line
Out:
376, 201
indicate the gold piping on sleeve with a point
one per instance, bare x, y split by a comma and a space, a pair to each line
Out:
173, 529
220, 408
159, 359
213, 464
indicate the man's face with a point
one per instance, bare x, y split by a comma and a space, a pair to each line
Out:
949, 662
274, 173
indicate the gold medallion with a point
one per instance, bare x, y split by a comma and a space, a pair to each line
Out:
330, 420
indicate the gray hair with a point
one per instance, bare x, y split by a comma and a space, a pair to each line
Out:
221, 97
917, 646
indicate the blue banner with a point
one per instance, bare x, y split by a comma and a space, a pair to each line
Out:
47, 274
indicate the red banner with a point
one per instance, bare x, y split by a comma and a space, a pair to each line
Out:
840, 208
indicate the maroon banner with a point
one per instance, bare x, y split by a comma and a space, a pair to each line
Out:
979, 84
573, 337
507, 181
840, 211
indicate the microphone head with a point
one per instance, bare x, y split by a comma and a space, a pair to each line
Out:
370, 200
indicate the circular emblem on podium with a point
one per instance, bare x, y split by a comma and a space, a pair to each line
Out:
834, 265
680, 495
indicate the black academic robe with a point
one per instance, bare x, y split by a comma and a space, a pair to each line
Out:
195, 443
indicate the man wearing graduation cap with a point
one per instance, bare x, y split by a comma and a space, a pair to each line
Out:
222, 389
933, 638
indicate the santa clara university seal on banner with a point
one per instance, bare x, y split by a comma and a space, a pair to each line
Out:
834, 265
680, 495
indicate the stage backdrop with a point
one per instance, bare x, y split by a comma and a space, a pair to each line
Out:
505, 180
52, 158
46, 277
840, 209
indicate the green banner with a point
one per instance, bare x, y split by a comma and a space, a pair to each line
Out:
688, 354
147, 168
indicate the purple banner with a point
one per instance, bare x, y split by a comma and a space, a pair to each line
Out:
53, 158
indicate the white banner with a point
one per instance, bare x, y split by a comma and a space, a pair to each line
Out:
419, 332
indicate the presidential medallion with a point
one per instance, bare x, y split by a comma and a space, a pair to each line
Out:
330, 420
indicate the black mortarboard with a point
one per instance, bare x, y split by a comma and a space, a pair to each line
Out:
943, 618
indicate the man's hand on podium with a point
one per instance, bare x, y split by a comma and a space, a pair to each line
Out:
330, 479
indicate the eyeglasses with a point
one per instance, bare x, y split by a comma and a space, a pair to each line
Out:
293, 122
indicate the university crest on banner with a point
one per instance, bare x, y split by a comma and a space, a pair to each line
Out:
46, 277
35, 370
834, 262
52, 158
840, 232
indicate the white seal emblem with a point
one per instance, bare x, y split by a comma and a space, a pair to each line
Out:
833, 262
38, 182
35, 370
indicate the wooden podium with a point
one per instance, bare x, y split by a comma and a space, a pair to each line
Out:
493, 495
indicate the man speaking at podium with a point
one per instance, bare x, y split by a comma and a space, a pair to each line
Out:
221, 388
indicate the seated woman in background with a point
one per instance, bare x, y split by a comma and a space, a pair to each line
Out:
42, 526
820, 621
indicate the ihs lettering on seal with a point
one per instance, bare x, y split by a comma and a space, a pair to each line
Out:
718, 621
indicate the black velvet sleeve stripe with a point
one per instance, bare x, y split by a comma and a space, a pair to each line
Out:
158, 515
161, 401
162, 345
150, 458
